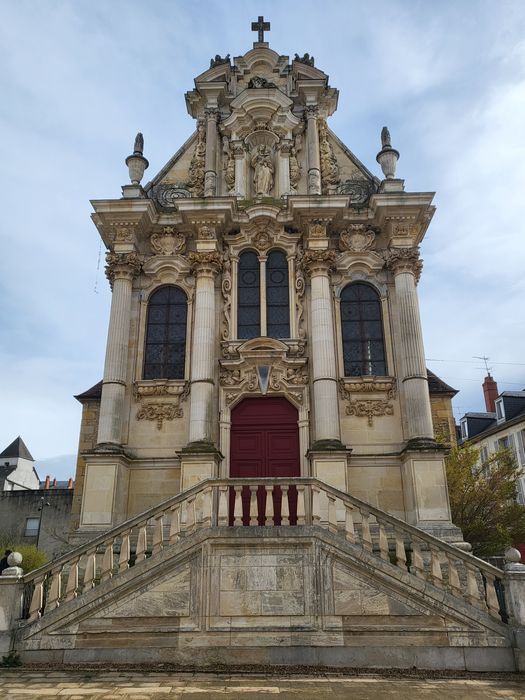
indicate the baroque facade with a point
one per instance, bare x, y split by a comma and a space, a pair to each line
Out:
258, 479
264, 261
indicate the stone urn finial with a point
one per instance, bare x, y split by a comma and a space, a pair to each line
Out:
512, 558
14, 569
136, 162
387, 156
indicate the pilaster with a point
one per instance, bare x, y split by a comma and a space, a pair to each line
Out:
314, 159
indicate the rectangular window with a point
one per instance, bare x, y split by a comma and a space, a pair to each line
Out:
464, 430
521, 446
500, 415
32, 525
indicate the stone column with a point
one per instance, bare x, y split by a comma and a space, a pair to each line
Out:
323, 353
314, 159
120, 270
206, 266
239, 153
210, 164
406, 267
285, 147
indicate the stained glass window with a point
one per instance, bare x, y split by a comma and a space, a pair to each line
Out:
166, 334
277, 299
249, 310
362, 328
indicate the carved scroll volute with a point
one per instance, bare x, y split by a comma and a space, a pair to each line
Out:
226, 290
300, 287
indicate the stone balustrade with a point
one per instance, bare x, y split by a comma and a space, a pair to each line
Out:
272, 503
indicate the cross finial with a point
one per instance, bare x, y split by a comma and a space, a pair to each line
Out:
260, 26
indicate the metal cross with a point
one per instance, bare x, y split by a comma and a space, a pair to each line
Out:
260, 26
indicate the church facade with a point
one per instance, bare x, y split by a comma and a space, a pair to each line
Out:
265, 318
258, 480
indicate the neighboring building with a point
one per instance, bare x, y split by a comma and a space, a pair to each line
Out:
17, 468
441, 395
502, 426
32, 511
263, 431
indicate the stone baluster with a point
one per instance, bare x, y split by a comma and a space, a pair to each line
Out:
120, 270
142, 543
349, 523
318, 264
285, 509
314, 158
175, 524
158, 532
125, 551
269, 506
301, 505
55, 589
383, 543
210, 164
72, 581
453, 576
90, 571
401, 556
406, 267
107, 561
237, 507
366, 536
206, 266
223, 505
253, 506
418, 565
37, 599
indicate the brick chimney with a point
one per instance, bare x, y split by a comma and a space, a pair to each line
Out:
490, 391
70, 483
46, 483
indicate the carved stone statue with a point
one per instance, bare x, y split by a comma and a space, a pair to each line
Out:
138, 146
329, 166
260, 82
385, 138
196, 169
228, 163
306, 59
219, 61
262, 163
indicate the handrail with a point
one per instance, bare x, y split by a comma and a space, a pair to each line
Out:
150, 513
274, 501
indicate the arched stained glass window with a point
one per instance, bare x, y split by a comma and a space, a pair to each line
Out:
277, 299
362, 328
249, 307
165, 351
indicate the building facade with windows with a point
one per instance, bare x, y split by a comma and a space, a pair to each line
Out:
502, 426
258, 480
264, 309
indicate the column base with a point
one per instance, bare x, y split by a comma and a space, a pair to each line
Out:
198, 461
108, 448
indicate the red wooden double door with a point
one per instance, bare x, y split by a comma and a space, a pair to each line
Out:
264, 443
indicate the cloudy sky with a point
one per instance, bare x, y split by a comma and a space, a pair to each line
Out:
79, 78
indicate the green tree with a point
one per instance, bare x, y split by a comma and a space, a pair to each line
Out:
483, 499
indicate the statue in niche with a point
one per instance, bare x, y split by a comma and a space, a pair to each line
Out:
329, 166
262, 164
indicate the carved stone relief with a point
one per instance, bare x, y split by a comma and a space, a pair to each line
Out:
329, 166
169, 242
160, 411
126, 265
166, 195
226, 290
368, 407
356, 238
123, 231
228, 164
358, 190
400, 260
300, 287
196, 169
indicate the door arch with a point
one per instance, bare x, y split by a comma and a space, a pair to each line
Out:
264, 443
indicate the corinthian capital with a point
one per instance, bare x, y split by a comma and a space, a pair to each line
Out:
404, 260
318, 261
312, 111
205, 263
122, 266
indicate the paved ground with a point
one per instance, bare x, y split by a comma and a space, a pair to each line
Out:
118, 685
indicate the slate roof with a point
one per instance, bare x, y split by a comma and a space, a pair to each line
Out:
438, 386
17, 449
95, 392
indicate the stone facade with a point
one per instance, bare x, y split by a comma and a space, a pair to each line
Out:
263, 173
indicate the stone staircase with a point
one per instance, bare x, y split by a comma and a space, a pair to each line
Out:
267, 571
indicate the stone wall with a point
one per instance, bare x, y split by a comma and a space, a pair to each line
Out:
52, 507
87, 441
